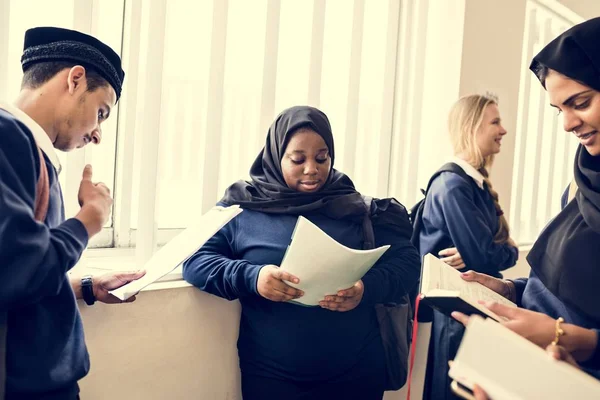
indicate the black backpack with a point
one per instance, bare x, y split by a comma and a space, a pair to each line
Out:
416, 211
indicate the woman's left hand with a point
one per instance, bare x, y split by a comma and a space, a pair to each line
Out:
452, 257
346, 299
534, 326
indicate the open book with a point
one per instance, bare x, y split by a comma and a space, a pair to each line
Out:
510, 367
323, 265
179, 249
443, 288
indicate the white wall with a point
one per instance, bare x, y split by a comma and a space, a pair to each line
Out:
168, 344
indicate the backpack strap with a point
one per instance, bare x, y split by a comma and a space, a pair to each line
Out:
417, 210
42, 191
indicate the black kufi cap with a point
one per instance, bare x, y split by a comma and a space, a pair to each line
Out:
47, 44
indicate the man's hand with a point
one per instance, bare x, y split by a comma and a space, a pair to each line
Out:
95, 202
271, 284
346, 299
104, 283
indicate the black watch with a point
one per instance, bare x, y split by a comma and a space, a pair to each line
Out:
87, 290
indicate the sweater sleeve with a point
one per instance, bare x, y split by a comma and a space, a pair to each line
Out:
397, 271
470, 232
519, 289
592, 365
215, 269
34, 257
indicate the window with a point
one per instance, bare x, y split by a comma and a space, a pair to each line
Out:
205, 78
544, 152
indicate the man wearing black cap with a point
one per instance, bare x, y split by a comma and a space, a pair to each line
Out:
71, 82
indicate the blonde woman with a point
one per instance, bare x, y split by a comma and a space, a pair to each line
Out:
463, 222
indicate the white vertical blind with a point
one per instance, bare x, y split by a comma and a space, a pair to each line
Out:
205, 79
544, 152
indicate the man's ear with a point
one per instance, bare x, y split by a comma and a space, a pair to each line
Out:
76, 79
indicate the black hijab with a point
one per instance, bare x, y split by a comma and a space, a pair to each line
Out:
268, 192
566, 256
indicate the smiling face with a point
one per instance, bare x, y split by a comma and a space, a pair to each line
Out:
580, 107
490, 132
306, 162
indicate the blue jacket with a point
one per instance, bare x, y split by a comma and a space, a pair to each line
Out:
45, 343
458, 213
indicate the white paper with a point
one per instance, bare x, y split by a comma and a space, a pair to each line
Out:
510, 367
179, 249
323, 265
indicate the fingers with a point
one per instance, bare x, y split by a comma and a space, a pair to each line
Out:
101, 185
110, 299
351, 292
127, 277
560, 353
87, 173
345, 305
130, 300
448, 252
502, 310
454, 261
460, 317
479, 393
460, 266
285, 292
471, 276
285, 276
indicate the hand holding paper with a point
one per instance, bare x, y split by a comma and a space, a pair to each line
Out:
272, 284
324, 266
179, 249
345, 300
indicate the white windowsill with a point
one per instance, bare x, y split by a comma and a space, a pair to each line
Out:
101, 261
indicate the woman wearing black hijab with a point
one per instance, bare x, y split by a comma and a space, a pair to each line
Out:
289, 351
565, 260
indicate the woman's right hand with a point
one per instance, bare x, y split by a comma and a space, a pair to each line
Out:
502, 287
271, 284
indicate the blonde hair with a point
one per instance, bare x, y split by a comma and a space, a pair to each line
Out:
466, 116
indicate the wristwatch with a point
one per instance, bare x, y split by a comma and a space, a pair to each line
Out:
87, 290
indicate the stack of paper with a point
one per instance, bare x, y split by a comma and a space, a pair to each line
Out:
179, 249
323, 265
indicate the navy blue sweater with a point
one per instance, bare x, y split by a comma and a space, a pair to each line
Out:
291, 342
45, 344
532, 294
460, 214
